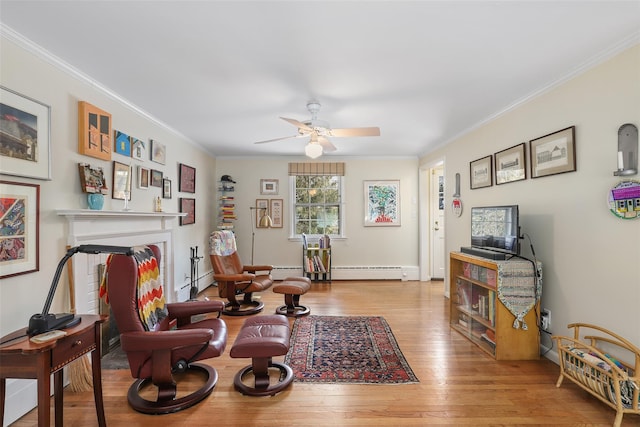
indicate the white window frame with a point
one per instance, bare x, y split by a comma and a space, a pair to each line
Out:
292, 212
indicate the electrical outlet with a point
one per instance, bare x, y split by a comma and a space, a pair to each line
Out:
545, 319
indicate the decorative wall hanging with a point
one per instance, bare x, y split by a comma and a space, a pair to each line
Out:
166, 188
138, 149
382, 203
158, 152
511, 164
624, 199
554, 153
94, 131
481, 173
187, 182
121, 189
25, 142
456, 202
627, 150
188, 206
122, 144
156, 178
19, 228
144, 178
92, 179
276, 212
261, 209
269, 187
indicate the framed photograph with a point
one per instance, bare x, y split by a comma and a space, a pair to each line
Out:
94, 131
382, 203
166, 188
263, 208
276, 212
554, 153
156, 178
138, 149
19, 228
144, 177
511, 164
158, 152
25, 140
92, 179
269, 186
121, 188
122, 143
481, 173
187, 182
188, 206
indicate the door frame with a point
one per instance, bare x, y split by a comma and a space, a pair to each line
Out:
424, 223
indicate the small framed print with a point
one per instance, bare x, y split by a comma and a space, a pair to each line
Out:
20, 228
143, 178
121, 188
30, 141
275, 211
511, 164
94, 131
156, 178
481, 173
188, 206
554, 153
122, 143
269, 187
166, 188
158, 152
138, 149
187, 182
382, 203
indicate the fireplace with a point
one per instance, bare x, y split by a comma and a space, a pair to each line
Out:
119, 228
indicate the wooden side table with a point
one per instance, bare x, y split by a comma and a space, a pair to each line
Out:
20, 358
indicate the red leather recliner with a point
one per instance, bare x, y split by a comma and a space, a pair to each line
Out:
161, 339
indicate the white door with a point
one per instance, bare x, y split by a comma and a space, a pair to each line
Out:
437, 223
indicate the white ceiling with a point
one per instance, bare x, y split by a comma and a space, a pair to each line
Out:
221, 73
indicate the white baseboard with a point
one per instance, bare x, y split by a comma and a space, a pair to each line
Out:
355, 272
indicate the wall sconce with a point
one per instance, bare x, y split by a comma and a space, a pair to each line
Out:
627, 150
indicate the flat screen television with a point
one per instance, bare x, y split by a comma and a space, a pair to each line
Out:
496, 228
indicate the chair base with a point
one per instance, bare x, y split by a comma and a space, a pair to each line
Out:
261, 374
167, 404
293, 310
244, 308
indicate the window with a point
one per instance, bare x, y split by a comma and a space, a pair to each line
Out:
317, 199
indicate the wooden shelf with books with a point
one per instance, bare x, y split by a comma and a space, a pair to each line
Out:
316, 259
226, 205
478, 312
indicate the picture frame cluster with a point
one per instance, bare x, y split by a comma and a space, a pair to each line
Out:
551, 154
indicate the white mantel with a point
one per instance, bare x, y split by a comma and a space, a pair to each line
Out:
119, 228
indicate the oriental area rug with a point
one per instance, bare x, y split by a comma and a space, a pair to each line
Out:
346, 349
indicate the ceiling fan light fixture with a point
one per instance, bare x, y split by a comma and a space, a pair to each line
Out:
313, 150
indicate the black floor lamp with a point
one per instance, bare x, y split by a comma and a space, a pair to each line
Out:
265, 221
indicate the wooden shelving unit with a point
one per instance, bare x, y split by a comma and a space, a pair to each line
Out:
316, 259
479, 315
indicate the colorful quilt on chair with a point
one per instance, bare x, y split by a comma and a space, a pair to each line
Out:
151, 302
222, 243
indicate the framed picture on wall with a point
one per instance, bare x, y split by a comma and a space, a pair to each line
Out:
188, 206
276, 212
20, 230
187, 181
30, 130
511, 164
554, 153
122, 143
144, 178
94, 131
158, 152
382, 203
481, 173
121, 188
166, 188
262, 206
269, 187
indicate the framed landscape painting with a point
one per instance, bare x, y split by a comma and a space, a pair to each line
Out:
25, 141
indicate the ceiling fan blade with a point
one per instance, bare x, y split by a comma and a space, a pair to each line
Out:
298, 124
327, 146
276, 139
371, 131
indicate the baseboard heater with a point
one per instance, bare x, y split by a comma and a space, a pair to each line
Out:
355, 272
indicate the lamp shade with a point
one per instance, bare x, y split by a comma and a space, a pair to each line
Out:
265, 221
313, 150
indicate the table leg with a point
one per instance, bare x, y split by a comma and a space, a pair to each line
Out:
97, 380
58, 396
44, 386
3, 391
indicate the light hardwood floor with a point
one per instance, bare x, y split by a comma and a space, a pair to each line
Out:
459, 385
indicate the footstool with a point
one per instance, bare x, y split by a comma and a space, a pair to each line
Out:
292, 288
261, 338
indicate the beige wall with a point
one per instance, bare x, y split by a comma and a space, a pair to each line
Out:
591, 258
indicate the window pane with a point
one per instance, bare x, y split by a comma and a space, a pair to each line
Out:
317, 204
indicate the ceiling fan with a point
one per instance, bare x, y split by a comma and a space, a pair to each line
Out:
319, 132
